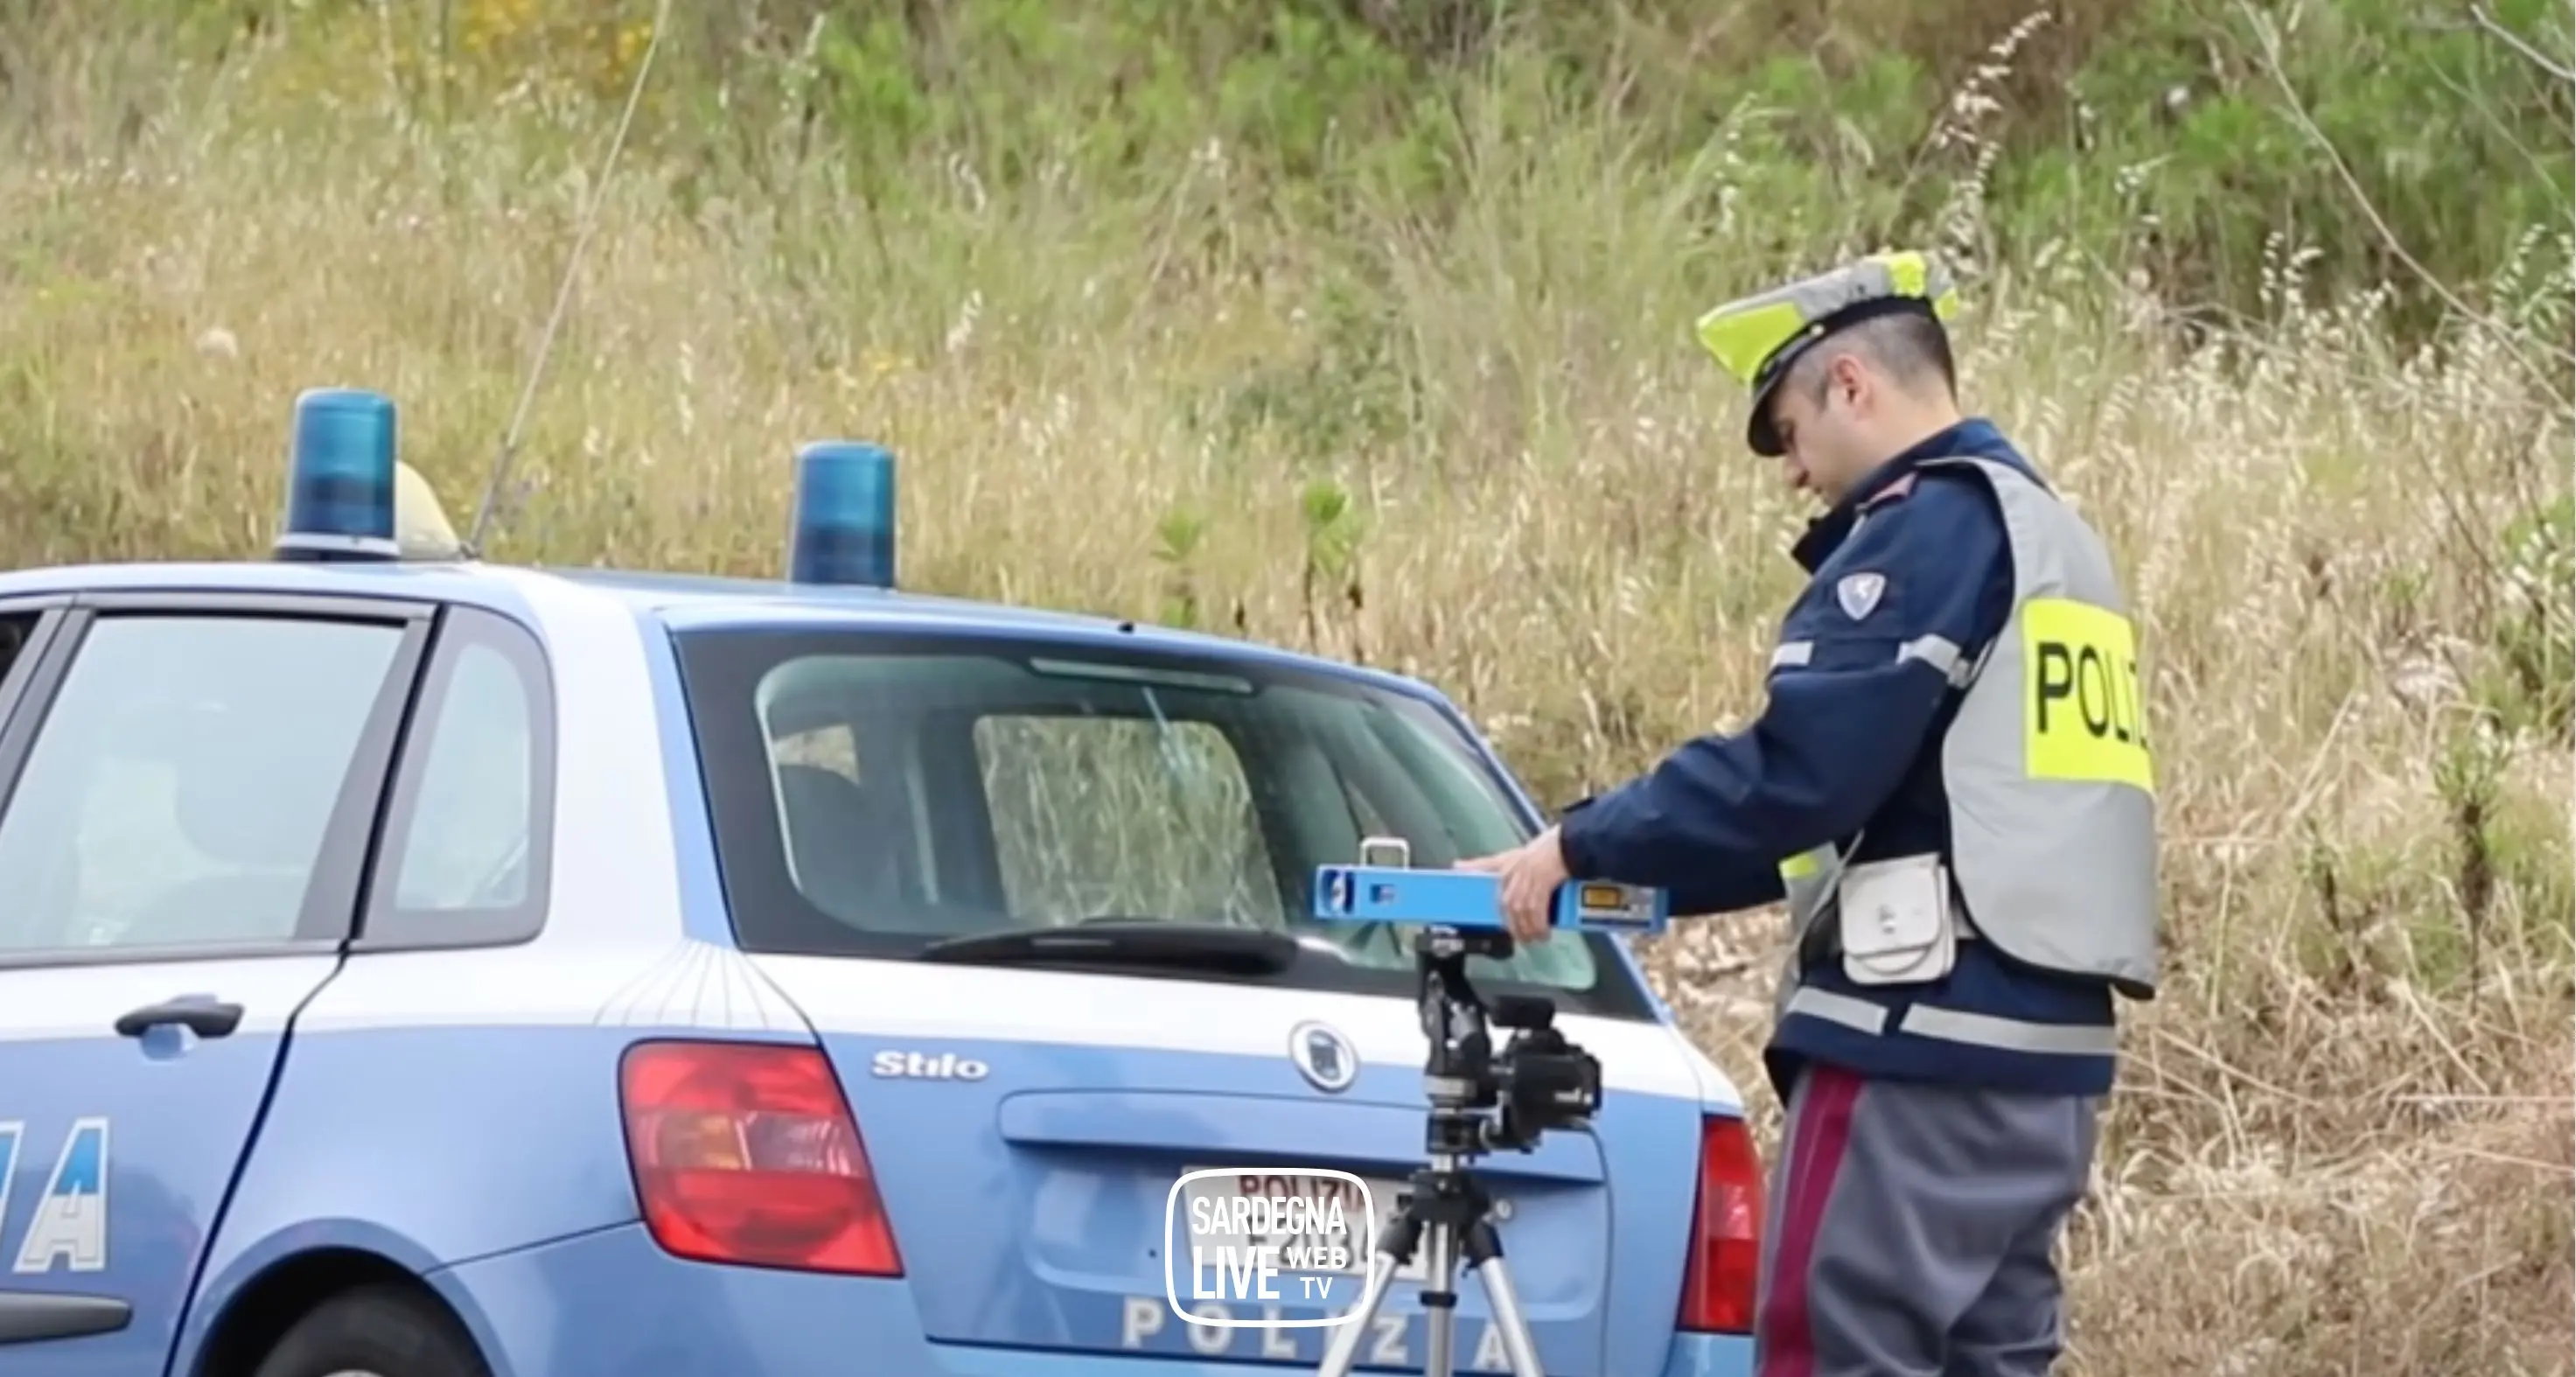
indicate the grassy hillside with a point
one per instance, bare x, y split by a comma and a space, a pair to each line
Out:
1302, 322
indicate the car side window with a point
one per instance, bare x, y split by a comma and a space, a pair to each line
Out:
468, 839
181, 786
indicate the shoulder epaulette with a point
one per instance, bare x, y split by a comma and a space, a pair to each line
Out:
1893, 492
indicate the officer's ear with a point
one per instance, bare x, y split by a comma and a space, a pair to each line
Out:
1847, 379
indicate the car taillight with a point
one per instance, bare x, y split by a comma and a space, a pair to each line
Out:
1726, 1232
746, 1152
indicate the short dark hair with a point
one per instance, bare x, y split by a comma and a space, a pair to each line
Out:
1909, 346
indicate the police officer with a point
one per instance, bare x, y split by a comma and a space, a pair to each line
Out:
1950, 788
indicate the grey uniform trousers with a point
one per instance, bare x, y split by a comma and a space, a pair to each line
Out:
1911, 1229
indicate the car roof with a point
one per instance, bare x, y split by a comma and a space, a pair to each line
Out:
683, 602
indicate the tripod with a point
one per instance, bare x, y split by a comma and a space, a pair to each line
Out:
1539, 1081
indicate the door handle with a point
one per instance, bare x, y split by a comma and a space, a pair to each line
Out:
28, 1317
206, 1018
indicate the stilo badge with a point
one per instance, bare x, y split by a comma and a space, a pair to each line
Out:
1859, 593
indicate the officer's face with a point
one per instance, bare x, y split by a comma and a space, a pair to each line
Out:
1823, 429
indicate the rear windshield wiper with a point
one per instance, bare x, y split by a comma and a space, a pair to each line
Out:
1128, 942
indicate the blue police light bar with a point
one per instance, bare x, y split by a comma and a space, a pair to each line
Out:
340, 478
843, 529
1467, 899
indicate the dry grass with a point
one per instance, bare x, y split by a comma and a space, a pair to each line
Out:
2343, 1140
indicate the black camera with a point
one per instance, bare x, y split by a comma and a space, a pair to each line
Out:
1485, 1100
1541, 1080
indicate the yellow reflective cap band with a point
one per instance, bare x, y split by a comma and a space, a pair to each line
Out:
1911, 274
1743, 338
1907, 273
2083, 714
1747, 333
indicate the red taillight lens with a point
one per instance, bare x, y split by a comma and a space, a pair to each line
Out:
1726, 1232
746, 1152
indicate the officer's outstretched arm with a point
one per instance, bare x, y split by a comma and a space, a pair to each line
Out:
1855, 692
1708, 884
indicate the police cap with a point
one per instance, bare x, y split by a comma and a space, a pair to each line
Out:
1756, 338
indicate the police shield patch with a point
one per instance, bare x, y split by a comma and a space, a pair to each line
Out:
1859, 593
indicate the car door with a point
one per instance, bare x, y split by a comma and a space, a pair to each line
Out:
189, 786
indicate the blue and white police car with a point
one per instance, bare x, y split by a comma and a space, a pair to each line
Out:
427, 968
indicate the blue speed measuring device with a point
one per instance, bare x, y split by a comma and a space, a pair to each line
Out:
1378, 892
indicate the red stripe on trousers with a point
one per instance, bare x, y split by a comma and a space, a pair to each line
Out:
1823, 1131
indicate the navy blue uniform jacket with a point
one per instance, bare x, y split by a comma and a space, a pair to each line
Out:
1851, 739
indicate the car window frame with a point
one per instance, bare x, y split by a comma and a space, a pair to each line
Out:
721, 665
349, 838
51, 611
383, 927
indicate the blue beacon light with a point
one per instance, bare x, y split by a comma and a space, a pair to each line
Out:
340, 478
843, 528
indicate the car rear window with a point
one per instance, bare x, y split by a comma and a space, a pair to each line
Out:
875, 792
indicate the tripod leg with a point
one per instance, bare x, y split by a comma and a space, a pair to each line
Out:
1344, 1344
1485, 1258
1440, 1303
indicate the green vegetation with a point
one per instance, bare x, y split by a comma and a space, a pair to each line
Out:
2168, 138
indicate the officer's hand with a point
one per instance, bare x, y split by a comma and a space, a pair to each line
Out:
1531, 875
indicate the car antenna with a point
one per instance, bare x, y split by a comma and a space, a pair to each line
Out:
489, 507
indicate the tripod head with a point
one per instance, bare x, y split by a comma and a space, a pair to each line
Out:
1484, 1100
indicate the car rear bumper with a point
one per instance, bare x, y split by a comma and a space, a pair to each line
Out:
612, 1304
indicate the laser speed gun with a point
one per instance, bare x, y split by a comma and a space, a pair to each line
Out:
1464, 899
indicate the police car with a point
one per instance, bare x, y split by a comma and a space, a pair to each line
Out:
418, 967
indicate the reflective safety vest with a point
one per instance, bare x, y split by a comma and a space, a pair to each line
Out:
2050, 779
